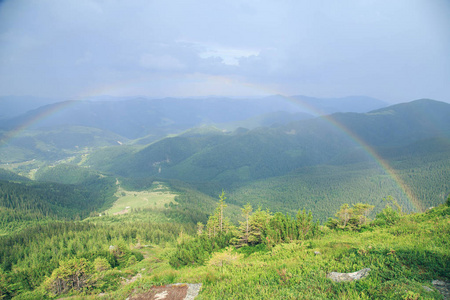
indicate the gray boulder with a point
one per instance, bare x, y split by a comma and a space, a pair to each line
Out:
339, 277
443, 287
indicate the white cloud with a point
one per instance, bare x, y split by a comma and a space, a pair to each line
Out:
229, 55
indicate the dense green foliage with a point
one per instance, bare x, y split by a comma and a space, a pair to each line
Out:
32, 201
30, 255
297, 174
260, 227
278, 257
313, 164
65, 173
9, 175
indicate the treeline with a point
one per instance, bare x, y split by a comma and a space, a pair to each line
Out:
260, 227
28, 257
324, 189
39, 200
8, 175
67, 174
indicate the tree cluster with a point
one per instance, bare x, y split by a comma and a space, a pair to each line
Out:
351, 218
259, 227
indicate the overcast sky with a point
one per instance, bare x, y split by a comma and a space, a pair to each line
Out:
395, 50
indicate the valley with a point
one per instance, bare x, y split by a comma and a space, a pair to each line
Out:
129, 209
213, 150
158, 196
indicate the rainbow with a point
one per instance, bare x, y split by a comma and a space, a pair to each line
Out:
404, 188
55, 108
51, 110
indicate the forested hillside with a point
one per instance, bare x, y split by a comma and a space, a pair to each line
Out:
272, 255
269, 210
137, 117
317, 164
24, 203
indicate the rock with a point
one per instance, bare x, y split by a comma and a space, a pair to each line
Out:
427, 289
443, 288
161, 295
194, 289
439, 282
339, 277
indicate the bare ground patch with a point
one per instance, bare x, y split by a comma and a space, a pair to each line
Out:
179, 291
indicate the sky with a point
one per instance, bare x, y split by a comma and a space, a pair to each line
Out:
396, 51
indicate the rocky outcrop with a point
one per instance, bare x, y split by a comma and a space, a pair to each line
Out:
339, 277
177, 291
443, 287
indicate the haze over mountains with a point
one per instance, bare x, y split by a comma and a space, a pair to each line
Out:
137, 117
90, 175
245, 146
248, 149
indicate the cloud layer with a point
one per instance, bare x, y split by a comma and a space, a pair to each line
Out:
394, 50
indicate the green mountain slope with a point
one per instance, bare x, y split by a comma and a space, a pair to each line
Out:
66, 174
267, 152
55, 143
132, 259
11, 176
28, 202
327, 157
399, 124
138, 117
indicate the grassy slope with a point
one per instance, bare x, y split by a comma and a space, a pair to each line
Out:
158, 196
403, 259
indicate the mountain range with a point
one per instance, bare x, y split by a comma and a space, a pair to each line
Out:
264, 151
138, 117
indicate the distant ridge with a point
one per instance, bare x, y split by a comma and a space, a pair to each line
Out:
266, 152
358, 104
140, 117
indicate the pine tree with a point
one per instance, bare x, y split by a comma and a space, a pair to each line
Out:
344, 214
246, 211
258, 226
222, 205
361, 212
304, 224
200, 227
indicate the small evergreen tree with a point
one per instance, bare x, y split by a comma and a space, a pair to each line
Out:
200, 227
305, 226
222, 205
73, 274
246, 211
258, 225
361, 213
344, 215
390, 214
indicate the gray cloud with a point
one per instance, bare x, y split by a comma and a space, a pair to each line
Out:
396, 50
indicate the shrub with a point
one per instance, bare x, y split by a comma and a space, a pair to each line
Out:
386, 217
72, 274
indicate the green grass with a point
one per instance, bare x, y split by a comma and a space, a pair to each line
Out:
403, 259
157, 197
